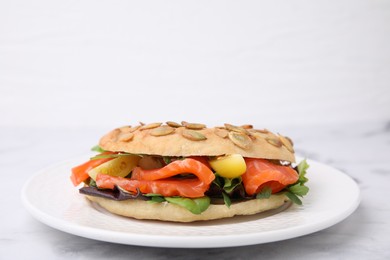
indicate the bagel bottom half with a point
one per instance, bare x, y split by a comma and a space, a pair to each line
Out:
165, 211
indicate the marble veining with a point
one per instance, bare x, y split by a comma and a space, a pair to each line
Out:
361, 150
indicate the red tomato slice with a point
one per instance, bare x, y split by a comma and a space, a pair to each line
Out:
261, 173
160, 181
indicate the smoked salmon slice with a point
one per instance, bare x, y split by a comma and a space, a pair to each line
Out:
162, 181
80, 173
189, 165
261, 173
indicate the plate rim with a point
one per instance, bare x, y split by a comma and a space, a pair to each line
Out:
196, 241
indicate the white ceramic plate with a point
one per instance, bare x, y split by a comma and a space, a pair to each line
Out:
50, 197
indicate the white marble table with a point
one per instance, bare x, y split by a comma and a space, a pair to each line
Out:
361, 150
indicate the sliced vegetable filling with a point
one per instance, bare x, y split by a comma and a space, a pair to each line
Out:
189, 182
161, 180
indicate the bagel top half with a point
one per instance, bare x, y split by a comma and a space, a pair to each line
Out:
190, 139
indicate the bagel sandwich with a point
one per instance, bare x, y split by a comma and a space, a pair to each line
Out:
185, 172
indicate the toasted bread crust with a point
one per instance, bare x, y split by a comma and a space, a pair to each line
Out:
198, 140
165, 211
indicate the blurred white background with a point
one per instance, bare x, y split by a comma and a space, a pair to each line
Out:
109, 63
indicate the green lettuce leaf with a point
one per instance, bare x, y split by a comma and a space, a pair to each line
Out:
97, 148
265, 193
294, 198
231, 184
228, 185
226, 199
299, 189
196, 206
302, 168
155, 198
